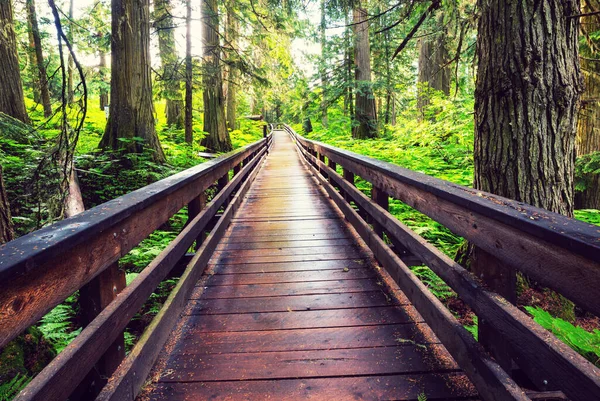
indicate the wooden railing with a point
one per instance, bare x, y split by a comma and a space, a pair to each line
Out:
40, 270
557, 252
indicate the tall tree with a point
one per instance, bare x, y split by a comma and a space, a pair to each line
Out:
12, 101
365, 124
189, 135
131, 109
323, 69
102, 68
41, 67
526, 104
433, 57
588, 125
217, 137
170, 62
232, 79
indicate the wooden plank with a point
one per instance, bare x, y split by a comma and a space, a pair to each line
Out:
290, 258
530, 341
301, 319
489, 378
290, 277
434, 386
282, 236
131, 374
196, 342
226, 256
293, 243
339, 264
407, 358
59, 378
290, 303
286, 289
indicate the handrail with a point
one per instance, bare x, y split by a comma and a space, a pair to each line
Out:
539, 243
43, 268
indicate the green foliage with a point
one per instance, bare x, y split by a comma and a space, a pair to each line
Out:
12, 387
473, 328
591, 216
433, 282
421, 397
57, 325
586, 167
584, 342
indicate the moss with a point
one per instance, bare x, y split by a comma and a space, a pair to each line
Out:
26, 355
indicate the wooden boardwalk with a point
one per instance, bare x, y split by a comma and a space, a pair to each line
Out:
293, 307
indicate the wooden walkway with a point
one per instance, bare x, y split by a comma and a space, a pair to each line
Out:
293, 307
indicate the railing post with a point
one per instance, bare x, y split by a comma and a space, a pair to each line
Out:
221, 183
265, 131
237, 168
348, 176
321, 170
194, 208
502, 279
382, 198
93, 298
331, 164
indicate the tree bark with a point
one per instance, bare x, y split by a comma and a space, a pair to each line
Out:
365, 124
323, 72
588, 125
103, 73
433, 75
131, 109
232, 81
170, 61
7, 232
35, 82
12, 101
189, 135
41, 67
217, 138
526, 101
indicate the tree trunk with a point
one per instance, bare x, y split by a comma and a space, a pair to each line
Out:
526, 101
70, 92
35, 82
37, 41
12, 101
7, 232
217, 138
189, 135
433, 75
103, 73
131, 109
232, 82
588, 126
526, 105
365, 125
323, 72
170, 61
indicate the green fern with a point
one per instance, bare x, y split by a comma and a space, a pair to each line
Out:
57, 325
11, 388
422, 397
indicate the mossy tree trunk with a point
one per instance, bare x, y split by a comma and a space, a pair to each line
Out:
103, 73
323, 69
39, 56
526, 102
6, 223
365, 124
170, 63
217, 138
588, 125
131, 109
12, 101
70, 90
433, 72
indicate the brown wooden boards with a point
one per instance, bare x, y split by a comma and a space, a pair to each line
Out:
292, 307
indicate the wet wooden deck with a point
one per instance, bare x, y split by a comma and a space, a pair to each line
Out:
293, 308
